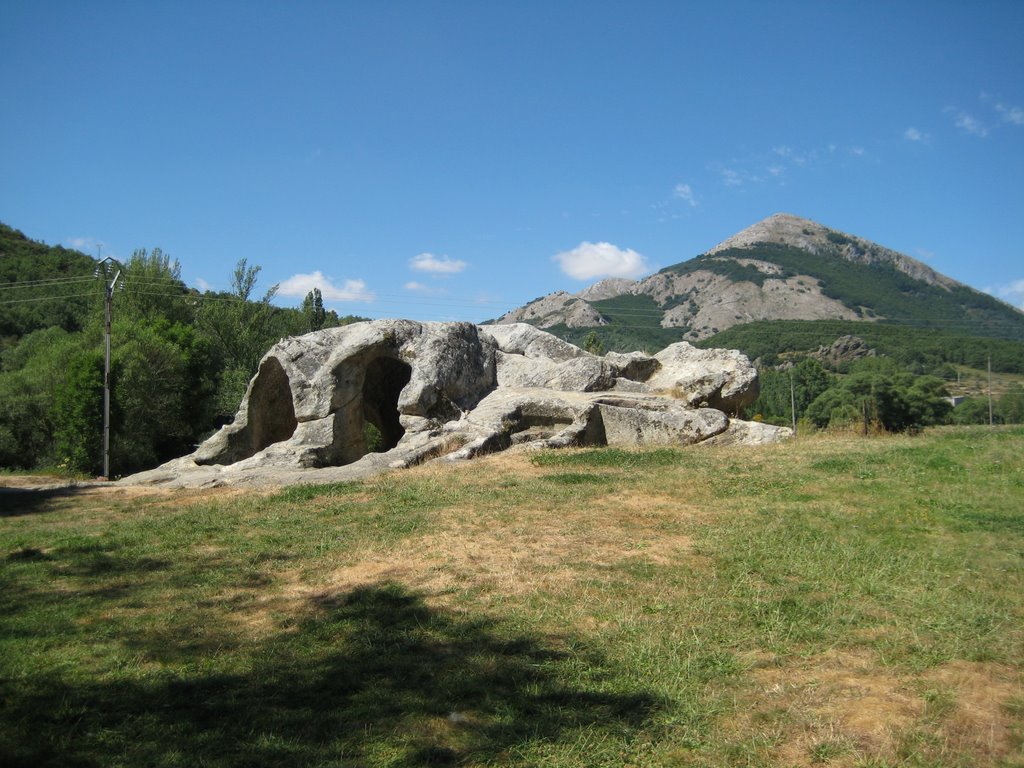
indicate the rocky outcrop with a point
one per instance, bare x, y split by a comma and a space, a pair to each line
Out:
844, 350
348, 402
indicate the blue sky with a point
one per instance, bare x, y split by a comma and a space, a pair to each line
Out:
453, 160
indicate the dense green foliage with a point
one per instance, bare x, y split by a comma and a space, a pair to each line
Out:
875, 393
918, 349
41, 287
782, 391
180, 360
1006, 409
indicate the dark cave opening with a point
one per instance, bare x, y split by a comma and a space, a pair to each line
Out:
271, 417
384, 381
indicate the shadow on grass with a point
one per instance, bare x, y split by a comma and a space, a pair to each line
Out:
16, 502
374, 677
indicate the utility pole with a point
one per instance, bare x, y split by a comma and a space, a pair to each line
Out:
108, 306
792, 400
990, 420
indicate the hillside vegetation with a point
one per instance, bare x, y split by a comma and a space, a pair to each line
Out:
874, 290
181, 359
918, 349
831, 601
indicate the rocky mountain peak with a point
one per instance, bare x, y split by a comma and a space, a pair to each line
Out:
794, 231
781, 229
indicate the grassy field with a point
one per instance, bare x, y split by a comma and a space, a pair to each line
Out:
832, 601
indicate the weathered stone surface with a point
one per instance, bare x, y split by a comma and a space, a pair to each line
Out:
349, 402
717, 378
671, 425
741, 432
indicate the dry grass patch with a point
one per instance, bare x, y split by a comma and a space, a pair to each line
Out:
848, 708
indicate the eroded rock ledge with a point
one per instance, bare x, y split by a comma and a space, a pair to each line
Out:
345, 403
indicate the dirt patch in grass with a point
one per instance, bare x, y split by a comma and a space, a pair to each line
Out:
971, 708
845, 707
29, 482
841, 697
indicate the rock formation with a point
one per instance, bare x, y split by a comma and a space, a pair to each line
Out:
347, 402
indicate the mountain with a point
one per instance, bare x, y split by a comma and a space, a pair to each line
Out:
782, 268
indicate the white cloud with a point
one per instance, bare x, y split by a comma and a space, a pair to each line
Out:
971, 125
913, 134
731, 178
202, 285
86, 245
426, 290
1012, 293
588, 261
442, 265
858, 151
300, 285
685, 193
1014, 115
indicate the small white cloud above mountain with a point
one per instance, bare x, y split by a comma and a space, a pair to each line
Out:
589, 261
86, 245
301, 284
1011, 114
426, 290
685, 193
968, 123
438, 265
915, 135
1011, 292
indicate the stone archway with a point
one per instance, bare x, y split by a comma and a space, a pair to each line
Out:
383, 382
270, 416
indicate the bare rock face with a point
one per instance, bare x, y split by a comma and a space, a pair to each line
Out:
717, 378
348, 402
843, 350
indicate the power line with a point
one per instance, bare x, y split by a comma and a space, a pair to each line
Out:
49, 298
45, 283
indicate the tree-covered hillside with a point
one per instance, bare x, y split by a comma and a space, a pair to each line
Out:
873, 290
42, 286
181, 359
917, 348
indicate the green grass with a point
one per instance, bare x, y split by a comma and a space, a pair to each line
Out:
830, 601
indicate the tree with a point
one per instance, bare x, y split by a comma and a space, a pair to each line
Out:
593, 344
33, 373
775, 404
833, 408
1011, 405
152, 288
895, 402
238, 332
313, 310
973, 410
78, 414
